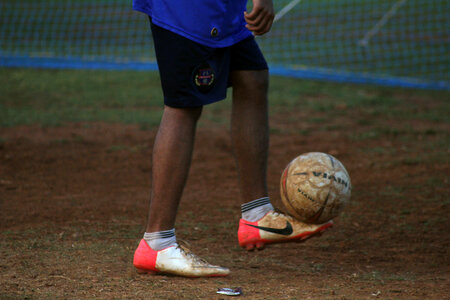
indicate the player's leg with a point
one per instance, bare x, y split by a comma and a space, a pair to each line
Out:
260, 224
250, 131
187, 81
172, 152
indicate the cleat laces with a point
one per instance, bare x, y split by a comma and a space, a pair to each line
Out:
197, 260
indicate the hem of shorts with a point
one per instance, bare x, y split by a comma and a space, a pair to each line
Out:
251, 69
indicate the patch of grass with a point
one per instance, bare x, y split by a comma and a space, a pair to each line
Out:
392, 191
331, 127
317, 267
60, 141
438, 115
379, 150
408, 211
376, 132
441, 143
411, 161
432, 222
383, 277
276, 130
226, 225
437, 181
365, 122
7, 296
54, 97
302, 132
318, 120
366, 135
421, 158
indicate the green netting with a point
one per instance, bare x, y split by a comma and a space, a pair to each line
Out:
400, 42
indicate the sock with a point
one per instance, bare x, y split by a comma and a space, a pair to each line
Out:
256, 209
161, 239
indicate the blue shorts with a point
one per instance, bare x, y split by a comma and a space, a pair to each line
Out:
193, 75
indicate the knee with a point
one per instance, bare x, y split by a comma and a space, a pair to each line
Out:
195, 112
251, 81
189, 114
262, 80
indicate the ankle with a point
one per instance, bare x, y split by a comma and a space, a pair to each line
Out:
256, 209
161, 239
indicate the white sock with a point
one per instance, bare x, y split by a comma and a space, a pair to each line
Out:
161, 239
256, 209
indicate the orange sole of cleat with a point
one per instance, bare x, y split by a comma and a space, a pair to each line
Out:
251, 247
260, 245
149, 272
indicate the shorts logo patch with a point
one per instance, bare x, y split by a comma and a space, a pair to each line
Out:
204, 77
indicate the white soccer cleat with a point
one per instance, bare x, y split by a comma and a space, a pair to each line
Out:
174, 260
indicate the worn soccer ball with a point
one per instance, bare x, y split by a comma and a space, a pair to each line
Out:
315, 187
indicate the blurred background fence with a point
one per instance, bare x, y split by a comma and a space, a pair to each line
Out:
390, 42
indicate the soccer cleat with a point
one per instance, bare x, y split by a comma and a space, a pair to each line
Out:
276, 227
174, 260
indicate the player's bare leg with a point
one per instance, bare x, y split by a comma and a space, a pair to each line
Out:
250, 135
172, 152
250, 131
158, 252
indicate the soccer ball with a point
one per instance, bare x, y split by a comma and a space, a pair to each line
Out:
315, 187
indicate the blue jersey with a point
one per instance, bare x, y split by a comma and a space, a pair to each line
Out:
214, 23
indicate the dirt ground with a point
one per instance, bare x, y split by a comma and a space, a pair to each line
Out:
74, 204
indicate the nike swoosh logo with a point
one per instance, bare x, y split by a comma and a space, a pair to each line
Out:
283, 231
